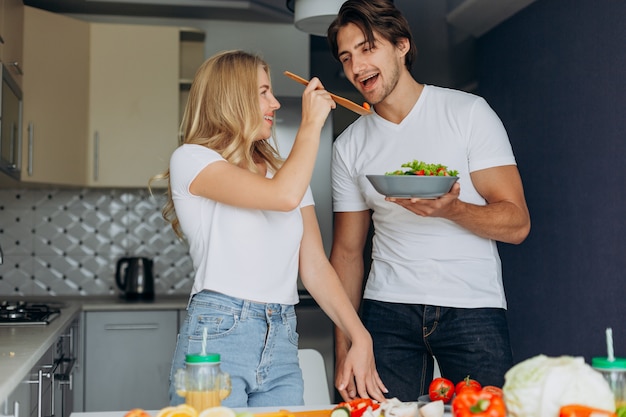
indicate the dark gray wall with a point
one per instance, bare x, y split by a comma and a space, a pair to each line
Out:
556, 75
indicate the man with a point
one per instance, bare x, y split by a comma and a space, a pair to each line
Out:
435, 284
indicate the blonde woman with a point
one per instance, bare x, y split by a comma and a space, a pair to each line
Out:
249, 220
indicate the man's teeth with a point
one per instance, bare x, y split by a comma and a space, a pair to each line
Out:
367, 78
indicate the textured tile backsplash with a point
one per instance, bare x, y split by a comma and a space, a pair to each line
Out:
67, 242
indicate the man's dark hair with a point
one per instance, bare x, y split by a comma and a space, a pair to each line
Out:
371, 16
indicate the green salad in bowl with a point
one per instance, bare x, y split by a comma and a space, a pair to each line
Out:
422, 168
415, 179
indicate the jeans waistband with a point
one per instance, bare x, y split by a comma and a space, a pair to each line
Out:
243, 308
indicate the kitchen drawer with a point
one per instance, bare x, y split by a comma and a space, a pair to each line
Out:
128, 356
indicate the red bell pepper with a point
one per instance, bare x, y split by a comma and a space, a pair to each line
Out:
472, 403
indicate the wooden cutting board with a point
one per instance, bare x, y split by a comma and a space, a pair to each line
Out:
287, 413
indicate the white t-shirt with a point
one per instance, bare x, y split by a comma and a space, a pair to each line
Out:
245, 253
420, 260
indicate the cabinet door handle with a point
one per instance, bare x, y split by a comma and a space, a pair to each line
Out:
65, 378
40, 376
70, 336
96, 156
31, 145
16, 410
12, 144
137, 326
17, 67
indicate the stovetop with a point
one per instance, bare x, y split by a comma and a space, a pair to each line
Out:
21, 313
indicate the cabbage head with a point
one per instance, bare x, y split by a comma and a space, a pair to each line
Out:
539, 386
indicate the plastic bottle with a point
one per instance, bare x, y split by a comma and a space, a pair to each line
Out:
614, 371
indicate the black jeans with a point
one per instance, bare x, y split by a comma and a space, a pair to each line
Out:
465, 341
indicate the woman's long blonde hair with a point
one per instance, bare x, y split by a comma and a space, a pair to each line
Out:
223, 113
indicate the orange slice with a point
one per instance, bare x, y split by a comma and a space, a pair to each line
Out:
137, 412
182, 410
165, 411
218, 412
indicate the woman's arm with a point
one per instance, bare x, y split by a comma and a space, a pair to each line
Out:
229, 184
322, 282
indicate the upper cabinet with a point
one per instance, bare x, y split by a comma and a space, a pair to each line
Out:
56, 98
133, 103
101, 100
11, 28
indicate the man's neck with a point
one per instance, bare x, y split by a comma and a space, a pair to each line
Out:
401, 100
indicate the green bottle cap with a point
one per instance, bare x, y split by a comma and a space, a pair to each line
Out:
200, 358
605, 363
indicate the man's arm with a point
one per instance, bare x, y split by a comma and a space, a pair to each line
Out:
504, 218
346, 256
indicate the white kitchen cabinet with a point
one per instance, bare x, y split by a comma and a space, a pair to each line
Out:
18, 402
43, 392
55, 103
133, 103
11, 37
40, 383
102, 110
128, 355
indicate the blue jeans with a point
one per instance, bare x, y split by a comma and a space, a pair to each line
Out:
472, 342
258, 345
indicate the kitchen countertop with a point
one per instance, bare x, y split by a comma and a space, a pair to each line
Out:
120, 304
21, 347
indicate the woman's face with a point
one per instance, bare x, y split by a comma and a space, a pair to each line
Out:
268, 104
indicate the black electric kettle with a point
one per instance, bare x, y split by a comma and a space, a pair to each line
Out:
134, 278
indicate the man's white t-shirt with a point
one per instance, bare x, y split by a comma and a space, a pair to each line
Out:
419, 260
245, 253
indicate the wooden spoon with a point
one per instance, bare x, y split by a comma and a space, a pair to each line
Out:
350, 105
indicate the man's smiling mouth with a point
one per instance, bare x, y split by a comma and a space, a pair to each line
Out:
370, 79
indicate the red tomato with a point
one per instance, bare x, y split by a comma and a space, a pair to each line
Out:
441, 389
467, 383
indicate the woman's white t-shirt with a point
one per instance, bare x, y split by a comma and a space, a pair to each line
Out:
245, 253
421, 260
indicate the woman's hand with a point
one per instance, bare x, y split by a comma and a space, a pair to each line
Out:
316, 103
357, 375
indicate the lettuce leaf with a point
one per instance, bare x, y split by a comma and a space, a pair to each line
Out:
539, 386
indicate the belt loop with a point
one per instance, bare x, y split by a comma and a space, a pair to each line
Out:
245, 308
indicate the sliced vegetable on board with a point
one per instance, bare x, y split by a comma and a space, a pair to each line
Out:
356, 407
340, 412
432, 409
